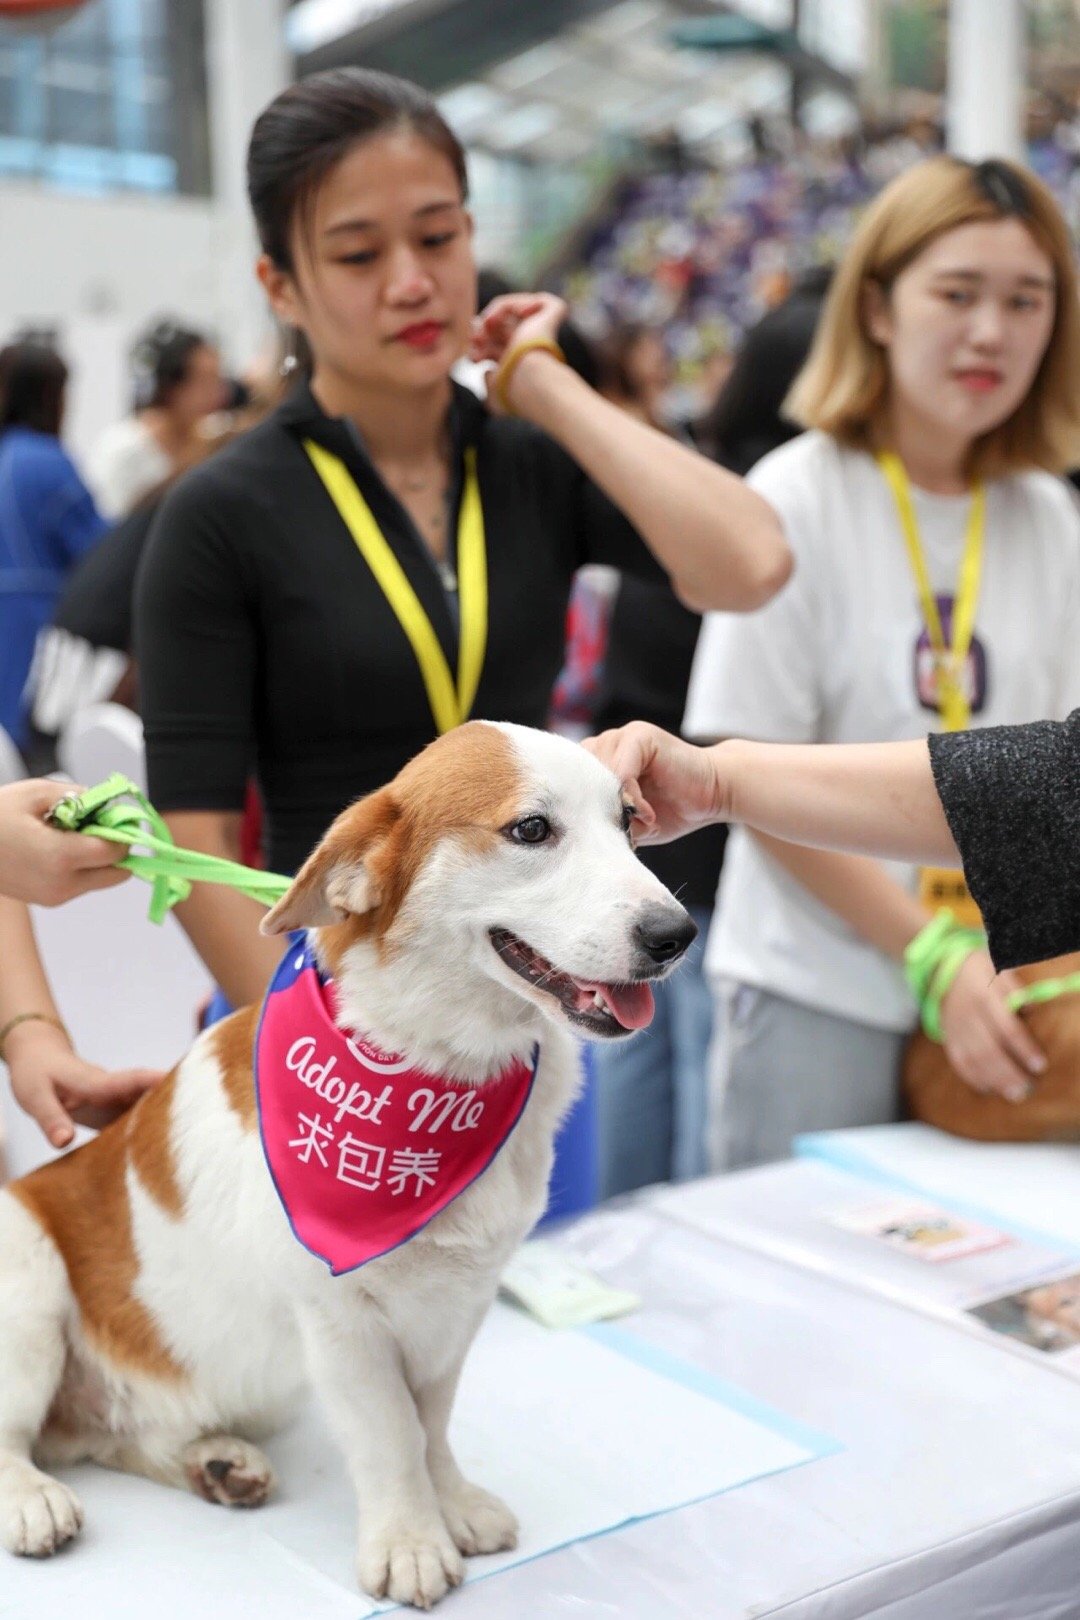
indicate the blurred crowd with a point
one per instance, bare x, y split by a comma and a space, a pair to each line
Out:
700, 253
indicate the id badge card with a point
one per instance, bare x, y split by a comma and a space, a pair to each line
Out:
943, 887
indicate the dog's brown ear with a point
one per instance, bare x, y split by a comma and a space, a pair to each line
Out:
337, 879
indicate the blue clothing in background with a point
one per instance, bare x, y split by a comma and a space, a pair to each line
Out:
652, 1093
48, 521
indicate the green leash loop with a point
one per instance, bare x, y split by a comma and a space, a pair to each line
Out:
932, 961
103, 812
936, 955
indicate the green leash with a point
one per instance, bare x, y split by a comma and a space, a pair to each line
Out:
936, 955
1044, 990
105, 812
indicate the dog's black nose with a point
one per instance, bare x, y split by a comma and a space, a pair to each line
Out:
664, 934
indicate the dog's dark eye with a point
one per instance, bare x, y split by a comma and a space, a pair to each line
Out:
531, 830
627, 817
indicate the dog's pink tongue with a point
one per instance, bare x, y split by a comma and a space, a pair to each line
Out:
632, 1004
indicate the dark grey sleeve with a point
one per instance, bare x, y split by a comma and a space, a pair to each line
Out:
1012, 799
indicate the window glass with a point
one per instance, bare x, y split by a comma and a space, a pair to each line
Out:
111, 99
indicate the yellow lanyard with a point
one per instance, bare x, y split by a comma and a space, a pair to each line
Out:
952, 704
450, 703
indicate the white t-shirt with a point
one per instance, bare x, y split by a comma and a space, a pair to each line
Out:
836, 657
124, 465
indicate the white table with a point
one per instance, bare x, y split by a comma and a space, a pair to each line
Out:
1033, 1185
957, 1496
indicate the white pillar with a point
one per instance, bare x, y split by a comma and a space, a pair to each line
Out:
247, 64
986, 78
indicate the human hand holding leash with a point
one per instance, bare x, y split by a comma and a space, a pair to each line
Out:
40, 864
987, 1044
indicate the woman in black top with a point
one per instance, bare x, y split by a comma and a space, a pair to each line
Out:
264, 641
1004, 802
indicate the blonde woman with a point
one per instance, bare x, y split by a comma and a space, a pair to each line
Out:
937, 587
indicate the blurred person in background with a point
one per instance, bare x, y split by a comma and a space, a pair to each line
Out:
576, 691
745, 420
937, 584
86, 654
635, 372
265, 641
652, 1093
178, 385
48, 519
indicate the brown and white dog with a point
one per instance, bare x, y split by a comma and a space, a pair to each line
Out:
156, 1312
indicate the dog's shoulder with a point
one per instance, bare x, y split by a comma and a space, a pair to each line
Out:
230, 1044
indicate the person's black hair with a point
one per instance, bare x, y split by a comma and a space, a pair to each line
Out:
309, 128
744, 422
492, 282
236, 394
580, 353
160, 360
616, 353
1003, 185
32, 382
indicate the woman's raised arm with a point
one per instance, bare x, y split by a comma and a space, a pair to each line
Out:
721, 544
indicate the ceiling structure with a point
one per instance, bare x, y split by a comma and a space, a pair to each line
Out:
552, 81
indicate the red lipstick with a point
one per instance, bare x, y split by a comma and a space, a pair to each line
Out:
421, 335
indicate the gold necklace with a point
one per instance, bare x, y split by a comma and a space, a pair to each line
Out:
411, 483
434, 521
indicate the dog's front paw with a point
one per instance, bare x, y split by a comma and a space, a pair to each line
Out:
38, 1515
233, 1472
478, 1521
410, 1566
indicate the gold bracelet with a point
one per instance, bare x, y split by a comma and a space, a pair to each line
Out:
26, 1018
500, 383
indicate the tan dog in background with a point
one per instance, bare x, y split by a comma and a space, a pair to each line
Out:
937, 1095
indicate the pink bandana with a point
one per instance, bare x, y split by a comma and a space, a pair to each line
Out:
363, 1148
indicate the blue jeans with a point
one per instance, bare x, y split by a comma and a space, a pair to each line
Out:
652, 1091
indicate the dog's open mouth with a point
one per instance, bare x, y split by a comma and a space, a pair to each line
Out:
602, 1009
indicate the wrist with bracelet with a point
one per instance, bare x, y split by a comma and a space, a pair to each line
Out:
504, 371
932, 961
28, 1018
